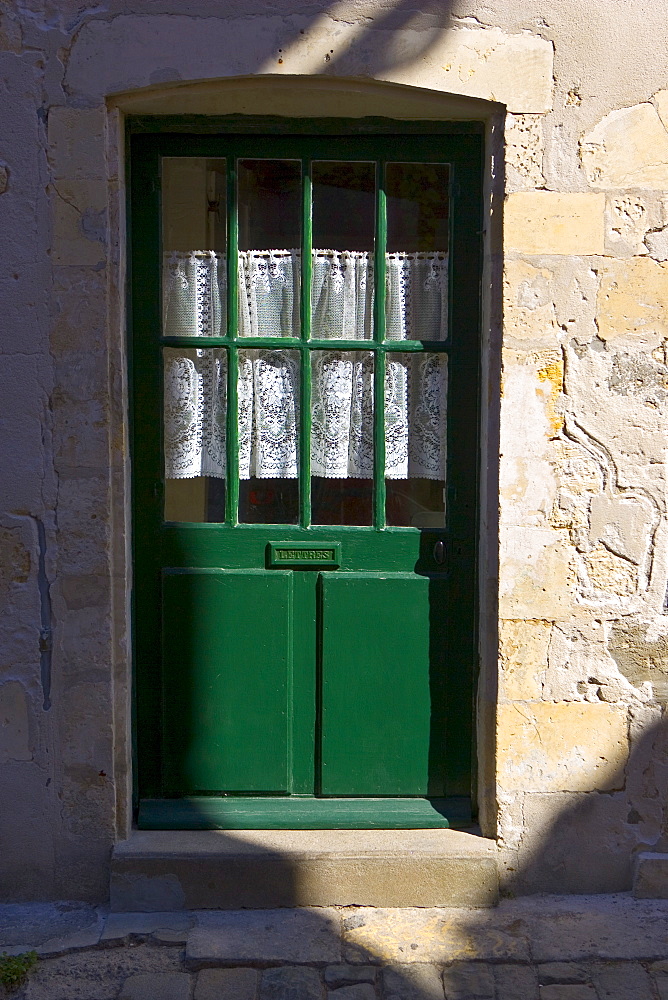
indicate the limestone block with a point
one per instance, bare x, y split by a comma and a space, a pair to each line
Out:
15, 741
524, 152
575, 843
627, 149
79, 218
76, 143
536, 573
514, 69
548, 222
656, 243
661, 102
562, 746
628, 219
530, 417
528, 304
580, 667
523, 652
633, 301
650, 877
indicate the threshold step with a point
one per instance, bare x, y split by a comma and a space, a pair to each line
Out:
160, 870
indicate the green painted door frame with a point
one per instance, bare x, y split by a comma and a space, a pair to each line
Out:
299, 675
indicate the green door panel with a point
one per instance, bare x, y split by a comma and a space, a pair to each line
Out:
226, 642
376, 709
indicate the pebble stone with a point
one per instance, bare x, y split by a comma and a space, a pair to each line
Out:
516, 982
347, 975
291, 982
568, 991
468, 981
360, 991
412, 982
226, 984
154, 985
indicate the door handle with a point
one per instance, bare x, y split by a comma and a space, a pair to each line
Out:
439, 552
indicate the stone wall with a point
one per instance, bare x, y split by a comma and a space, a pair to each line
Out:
574, 763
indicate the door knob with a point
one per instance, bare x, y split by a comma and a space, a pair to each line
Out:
439, 552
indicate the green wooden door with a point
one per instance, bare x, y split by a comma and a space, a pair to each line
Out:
305, 312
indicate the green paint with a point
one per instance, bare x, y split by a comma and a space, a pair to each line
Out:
303, 813
304, 687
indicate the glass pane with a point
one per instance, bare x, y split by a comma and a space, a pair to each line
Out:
417, 251
344, 201
195, 397
415, 439
269, 242
194, 241
342, 437
268, 391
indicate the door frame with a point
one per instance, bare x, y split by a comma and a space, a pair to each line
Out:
153, 136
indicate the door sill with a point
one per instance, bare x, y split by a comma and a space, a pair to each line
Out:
303, 813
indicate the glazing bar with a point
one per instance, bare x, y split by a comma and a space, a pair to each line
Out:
232, 426
379, 336
305, 376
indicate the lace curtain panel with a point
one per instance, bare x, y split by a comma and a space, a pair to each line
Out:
195, 379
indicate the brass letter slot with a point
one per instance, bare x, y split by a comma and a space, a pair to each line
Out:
304, 555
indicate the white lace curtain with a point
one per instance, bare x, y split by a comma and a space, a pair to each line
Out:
195, 382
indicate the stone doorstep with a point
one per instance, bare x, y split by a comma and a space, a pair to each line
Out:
209, 869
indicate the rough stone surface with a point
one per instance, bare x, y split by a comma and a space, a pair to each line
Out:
543, 222
622, 981
297, 935
291, 983
569, 746
149, 985
651, 876
360, 991
347, 975
575, 992
469, 981
412, 982
226, 984
516, 982
627, 149
561, 972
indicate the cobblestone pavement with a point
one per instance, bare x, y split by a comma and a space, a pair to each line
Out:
539, 948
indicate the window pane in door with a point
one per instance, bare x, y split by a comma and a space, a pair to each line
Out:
194, 415
342, 437
194, 227
269, 247
415, 439
344, 200
417, 251
268, 392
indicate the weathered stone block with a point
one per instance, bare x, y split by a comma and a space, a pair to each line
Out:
627, 149
524, 152
529, 309
548, 222
633, 301
523, 657
412, 982
575, 843
566, 746
291, 983
15, 743
150, 985
516, 982
650, 878
226, 984
537, 573
358, 991
76, 143
79, 216
468, 981
626, 980
346, 975
580, 991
